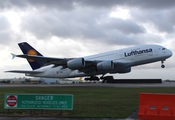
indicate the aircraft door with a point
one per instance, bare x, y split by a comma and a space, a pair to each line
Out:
156, 52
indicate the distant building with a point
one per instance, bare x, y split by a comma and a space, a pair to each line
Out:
51, 80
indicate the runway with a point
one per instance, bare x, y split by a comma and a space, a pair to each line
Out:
150, 85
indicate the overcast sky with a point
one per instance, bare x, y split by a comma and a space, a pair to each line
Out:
77, 28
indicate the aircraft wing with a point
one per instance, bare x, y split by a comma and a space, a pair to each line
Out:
73, 63
51, 60
24, 71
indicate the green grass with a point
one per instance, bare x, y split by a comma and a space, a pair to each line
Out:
88, 102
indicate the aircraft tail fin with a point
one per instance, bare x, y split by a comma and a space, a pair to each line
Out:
27, 49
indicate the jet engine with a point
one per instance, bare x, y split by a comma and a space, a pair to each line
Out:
76, 63
105, 65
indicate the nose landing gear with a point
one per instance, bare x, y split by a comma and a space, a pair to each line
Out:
163, 66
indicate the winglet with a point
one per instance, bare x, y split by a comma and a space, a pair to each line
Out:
13, 55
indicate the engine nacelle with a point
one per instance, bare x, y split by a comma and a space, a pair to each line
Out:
76, 63
125, 70
105, 65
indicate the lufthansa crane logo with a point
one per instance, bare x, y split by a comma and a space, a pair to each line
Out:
33, 53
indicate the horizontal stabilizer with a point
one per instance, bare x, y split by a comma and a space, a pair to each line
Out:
13, 55
24, 71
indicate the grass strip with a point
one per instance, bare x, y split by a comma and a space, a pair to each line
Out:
88, 102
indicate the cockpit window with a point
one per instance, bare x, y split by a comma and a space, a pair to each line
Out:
163, 48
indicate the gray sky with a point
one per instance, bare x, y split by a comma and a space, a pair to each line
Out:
77, 28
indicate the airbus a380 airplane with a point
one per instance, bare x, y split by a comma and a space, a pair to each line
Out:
118, 61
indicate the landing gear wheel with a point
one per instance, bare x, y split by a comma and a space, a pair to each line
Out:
102, 77
92, 78
163, 66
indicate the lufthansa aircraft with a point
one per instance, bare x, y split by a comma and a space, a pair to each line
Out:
117, 61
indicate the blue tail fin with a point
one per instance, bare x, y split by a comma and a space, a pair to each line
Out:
27, 49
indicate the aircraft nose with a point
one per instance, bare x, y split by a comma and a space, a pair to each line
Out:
170, 53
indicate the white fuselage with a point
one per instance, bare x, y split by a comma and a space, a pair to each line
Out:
132, 56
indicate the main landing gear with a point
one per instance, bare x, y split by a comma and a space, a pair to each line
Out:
102, 78
162, 65
95, 78
92, 78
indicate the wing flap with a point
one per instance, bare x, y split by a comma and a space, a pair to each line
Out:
24, 71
